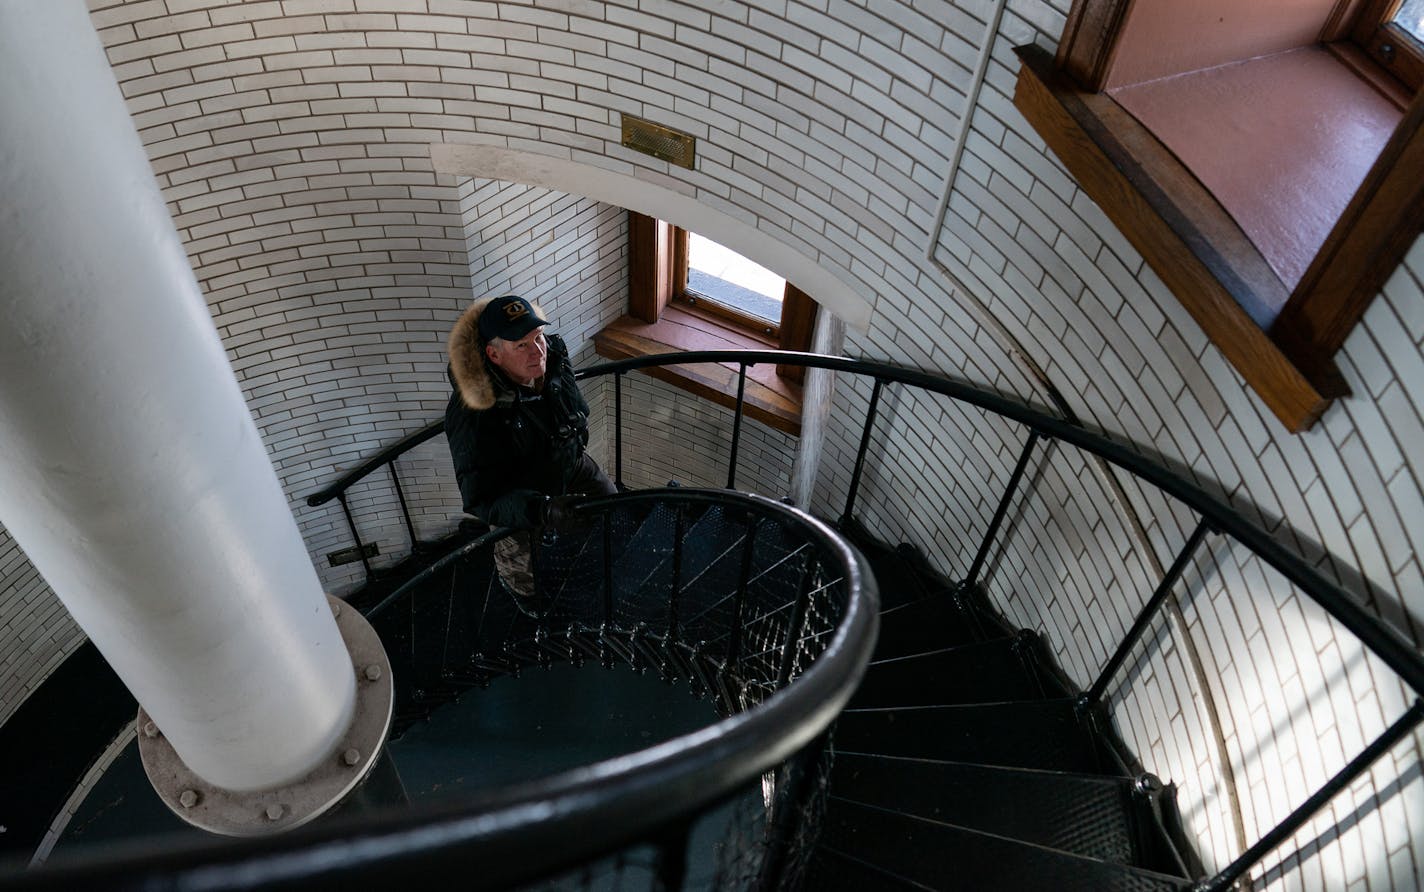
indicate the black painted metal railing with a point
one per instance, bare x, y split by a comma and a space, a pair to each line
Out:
1214, 518
760, 608
738, 597
386, 458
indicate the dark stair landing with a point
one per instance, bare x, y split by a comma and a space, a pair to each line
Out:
962, 763
50, 742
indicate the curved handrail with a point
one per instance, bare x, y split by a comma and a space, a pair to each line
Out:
1381, 638
389, 454
545, 822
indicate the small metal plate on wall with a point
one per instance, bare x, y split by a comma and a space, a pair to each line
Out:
672, 146
352, 554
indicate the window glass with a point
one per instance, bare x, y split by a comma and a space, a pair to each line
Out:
730, 279
1411, 18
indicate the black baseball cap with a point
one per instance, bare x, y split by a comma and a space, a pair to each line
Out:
510, 317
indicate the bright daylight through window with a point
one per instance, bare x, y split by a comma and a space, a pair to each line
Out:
724, 276
1411, 18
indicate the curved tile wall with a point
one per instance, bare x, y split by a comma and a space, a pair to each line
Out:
291, 139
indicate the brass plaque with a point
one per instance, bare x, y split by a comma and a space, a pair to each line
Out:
672, 146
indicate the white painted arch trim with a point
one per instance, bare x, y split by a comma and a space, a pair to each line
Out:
590, 181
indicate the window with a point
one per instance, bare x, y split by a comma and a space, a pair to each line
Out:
1411, 18
740, 294
687, 292
1225, 224
725, 282
1392, 32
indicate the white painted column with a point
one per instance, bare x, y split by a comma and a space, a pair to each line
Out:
131, 472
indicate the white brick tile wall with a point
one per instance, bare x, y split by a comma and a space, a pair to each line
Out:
827, 125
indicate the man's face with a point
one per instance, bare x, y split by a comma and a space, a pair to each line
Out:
521, 360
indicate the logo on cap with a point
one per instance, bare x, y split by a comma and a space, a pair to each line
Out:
510, 317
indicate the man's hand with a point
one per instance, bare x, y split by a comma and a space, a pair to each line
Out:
559, 513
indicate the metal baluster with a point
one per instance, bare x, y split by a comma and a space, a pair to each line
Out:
679, 530
1144, 617
787, 818
737, 425
672, 857
360, 546
798, 619
999, 513
734, 648
1401, 729
400, 494
417, 690
608, 567
445, 661
864, 447
618, 430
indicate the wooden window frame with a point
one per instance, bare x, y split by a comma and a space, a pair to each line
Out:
657, 274
793, 331
650, 282
1196, 248
1390, 46
661, 319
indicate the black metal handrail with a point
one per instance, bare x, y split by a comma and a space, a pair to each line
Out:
1215, 516
1380, 638
385, 458
523, 832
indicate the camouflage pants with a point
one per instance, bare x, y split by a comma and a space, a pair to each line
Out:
514, 561
513, 555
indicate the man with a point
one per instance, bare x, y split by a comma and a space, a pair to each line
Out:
517, 427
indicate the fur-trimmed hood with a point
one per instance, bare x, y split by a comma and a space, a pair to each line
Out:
469, 371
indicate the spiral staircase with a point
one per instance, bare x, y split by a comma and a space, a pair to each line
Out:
946, 752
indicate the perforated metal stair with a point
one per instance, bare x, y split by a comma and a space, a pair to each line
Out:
962, 763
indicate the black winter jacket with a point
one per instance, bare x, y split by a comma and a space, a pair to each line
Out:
511, 446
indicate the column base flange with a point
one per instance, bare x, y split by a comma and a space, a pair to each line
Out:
265, 812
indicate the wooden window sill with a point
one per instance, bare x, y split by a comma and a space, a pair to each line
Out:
769, 397
1182, 231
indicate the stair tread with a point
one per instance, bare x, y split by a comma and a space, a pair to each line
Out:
1098, 779
1026, 734
712, 543
833, 871
979, 672
649, 551
1085, 814
940, 855
922, 626
899, 582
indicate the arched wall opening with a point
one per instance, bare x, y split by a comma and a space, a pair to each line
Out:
538, 168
